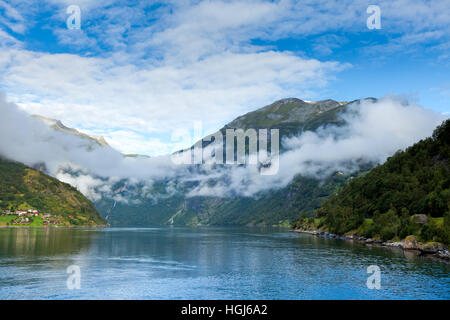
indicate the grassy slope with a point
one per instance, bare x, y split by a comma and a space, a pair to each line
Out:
24, 188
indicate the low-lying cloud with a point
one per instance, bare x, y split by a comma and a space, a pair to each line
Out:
370, 133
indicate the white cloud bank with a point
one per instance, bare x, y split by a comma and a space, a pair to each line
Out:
372, 132
30, 141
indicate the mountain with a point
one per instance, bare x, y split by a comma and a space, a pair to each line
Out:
291, 116
275, 207
93, 140
290, 113
96, 141
159, 205
407, 195
23, 188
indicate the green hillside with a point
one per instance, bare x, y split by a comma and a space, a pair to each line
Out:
407, 195
23, 188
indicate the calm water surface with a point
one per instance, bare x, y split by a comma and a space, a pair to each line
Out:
207, 263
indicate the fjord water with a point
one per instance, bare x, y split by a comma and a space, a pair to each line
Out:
207, 263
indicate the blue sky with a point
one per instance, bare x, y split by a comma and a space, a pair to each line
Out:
139, 71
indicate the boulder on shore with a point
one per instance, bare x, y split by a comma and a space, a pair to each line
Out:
393, 244
410, 243
444, 255
432, 247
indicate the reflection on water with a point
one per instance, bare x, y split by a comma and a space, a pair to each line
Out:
207, 263
16, 242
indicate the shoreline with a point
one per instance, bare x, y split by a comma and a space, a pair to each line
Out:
56, 227
410, 244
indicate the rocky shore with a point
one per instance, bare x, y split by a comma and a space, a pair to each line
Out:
410, 243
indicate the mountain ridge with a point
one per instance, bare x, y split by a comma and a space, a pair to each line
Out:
59, 126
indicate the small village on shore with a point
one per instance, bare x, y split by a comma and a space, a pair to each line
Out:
29, 217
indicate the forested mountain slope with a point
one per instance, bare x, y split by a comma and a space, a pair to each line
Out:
407, 195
